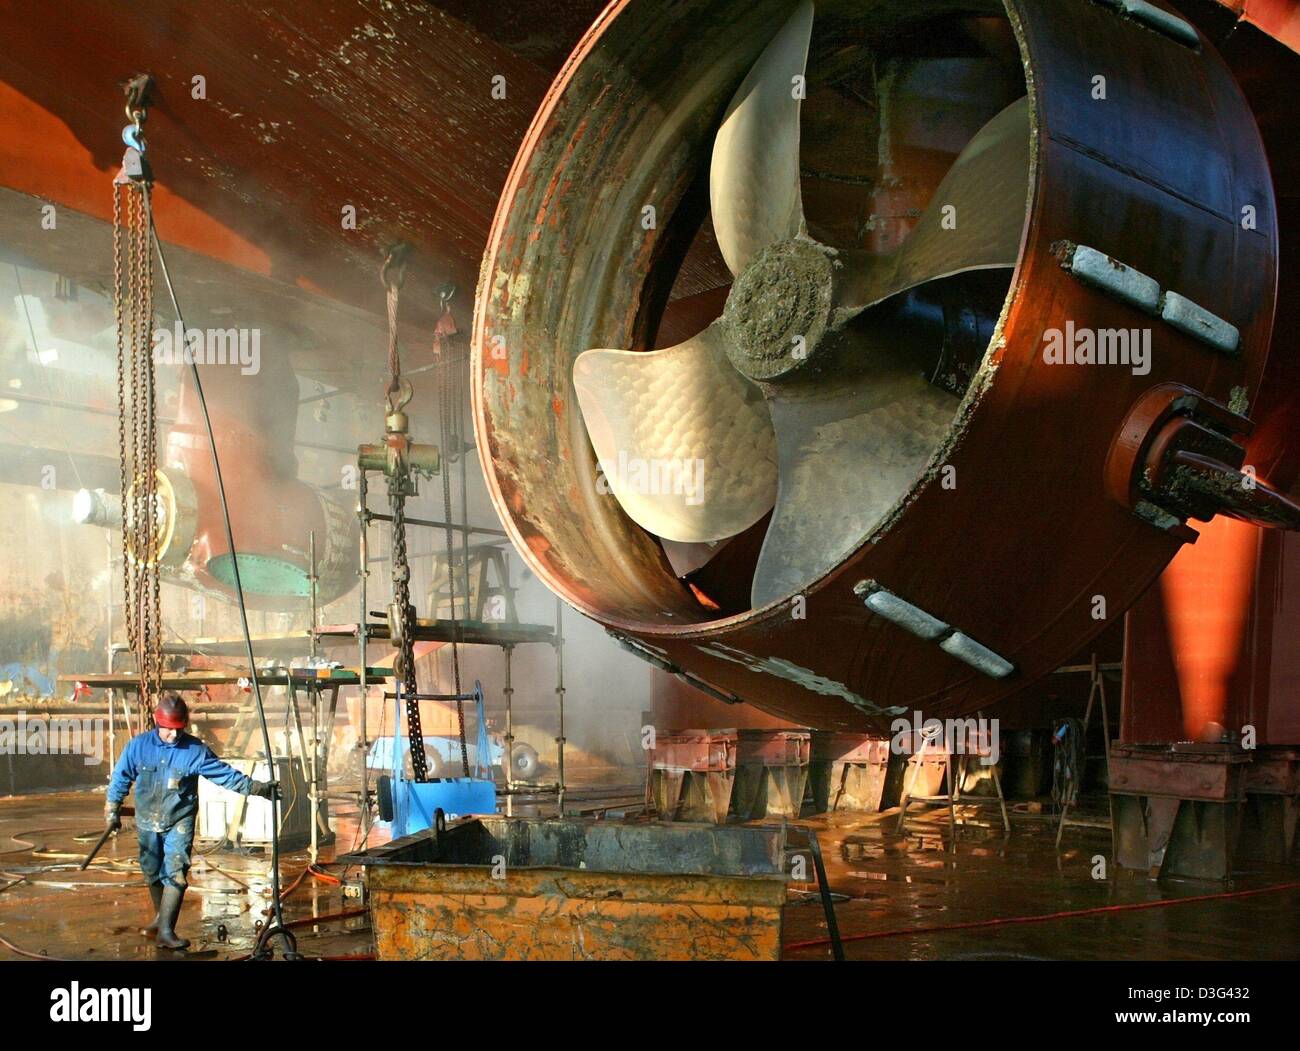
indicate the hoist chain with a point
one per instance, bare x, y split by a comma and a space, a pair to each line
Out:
402, 461
405, 663
393, 274
119, 295
137, 432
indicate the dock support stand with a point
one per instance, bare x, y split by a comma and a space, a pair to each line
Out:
1096, 695
1178, 807
955, 763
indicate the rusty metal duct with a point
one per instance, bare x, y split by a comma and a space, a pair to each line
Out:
276, 511
849, 403
958, 500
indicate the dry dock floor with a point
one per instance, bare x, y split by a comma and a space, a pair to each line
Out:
911, 897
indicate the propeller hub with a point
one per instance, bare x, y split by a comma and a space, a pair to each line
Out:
778, 310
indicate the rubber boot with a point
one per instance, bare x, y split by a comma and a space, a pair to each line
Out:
167, 913
155, 892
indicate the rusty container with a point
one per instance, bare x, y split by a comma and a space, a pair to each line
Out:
498, 888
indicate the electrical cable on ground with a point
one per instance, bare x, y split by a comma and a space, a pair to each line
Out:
346, 914
233, 879
32, 955
293, 886
1045, 917
323, 877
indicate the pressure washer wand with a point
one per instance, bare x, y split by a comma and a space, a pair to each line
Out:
95, 850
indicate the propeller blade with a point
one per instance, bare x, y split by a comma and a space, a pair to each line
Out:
848, 452
685, 442
754, 176
974, 221
850, 446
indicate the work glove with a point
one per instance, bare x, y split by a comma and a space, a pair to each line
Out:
265, 789
112, 817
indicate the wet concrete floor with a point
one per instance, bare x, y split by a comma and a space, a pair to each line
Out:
61, 912
904, 890
912, 895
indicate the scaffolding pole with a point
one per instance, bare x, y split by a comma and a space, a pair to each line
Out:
363, 573
508, 761
512, 787
559, 697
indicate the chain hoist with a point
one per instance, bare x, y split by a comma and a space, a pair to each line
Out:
137, 430
401, 460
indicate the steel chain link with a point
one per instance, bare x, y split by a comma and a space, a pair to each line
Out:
138, 436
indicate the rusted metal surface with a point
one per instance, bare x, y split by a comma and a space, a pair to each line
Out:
1168, 837
709, 775
1211, 773
512, 889
1177, 810
385, 107
1274, 771
1272, 810
684, 795
691, 775
697, 751
848, 771
1198, 809
849, 748
773, 748
772, 768
548, 915
676, 703
1040, 535
275, 510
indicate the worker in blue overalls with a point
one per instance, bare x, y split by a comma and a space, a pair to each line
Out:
165, 765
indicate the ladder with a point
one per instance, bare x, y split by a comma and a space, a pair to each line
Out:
1096, 697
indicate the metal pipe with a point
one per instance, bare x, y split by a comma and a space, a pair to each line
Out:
509, 761
464, 485
363, 572
376, 516
291, 700
313, 697
559, 695
433, 696
108, 537
828, 902
312, 580
377, 559
112, 732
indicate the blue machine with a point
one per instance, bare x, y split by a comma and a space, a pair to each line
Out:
441, 752
412, 806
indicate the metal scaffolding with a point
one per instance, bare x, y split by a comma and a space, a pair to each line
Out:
506, 636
